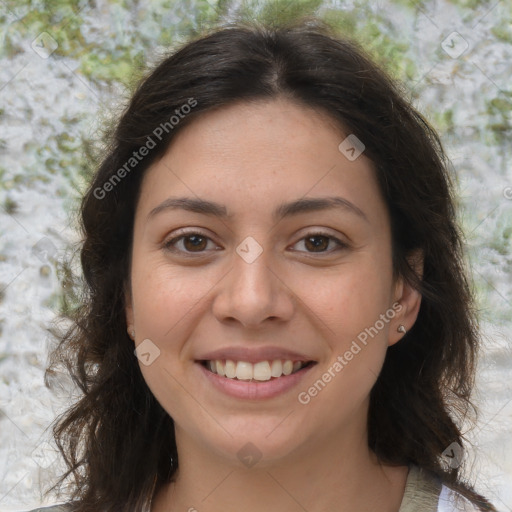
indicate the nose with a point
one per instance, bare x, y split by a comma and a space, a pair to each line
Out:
253, 294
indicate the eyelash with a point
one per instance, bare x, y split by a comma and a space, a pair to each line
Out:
168, 245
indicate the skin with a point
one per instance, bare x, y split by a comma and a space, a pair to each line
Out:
251, 158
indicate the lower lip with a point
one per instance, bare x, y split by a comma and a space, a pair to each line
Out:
254, 390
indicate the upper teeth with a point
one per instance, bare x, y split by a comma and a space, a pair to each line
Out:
262, 370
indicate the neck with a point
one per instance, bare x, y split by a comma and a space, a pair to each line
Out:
332, 473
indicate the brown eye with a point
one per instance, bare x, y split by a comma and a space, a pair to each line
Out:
189, 243
194, 242
317, 243
320, 243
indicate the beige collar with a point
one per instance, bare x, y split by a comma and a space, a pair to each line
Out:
422, 490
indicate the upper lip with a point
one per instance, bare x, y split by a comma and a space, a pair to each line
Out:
253, 355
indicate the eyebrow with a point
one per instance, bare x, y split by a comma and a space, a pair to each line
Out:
299, 206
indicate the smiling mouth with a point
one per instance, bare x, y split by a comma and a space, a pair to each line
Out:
259, 372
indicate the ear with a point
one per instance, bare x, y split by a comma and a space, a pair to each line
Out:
407, 300
128, 308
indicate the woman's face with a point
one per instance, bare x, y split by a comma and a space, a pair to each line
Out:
258, 242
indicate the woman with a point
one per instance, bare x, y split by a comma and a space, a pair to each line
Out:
273, 232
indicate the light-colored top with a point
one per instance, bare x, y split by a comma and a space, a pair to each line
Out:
423, 493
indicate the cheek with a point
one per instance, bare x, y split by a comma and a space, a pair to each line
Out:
163, 296
357, 338
346, 301
347, 306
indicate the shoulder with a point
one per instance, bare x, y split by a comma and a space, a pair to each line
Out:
425, 492
453, 501
422, 491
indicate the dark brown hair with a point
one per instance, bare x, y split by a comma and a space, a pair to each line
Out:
117, 440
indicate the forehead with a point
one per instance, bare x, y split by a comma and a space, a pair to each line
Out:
255, 155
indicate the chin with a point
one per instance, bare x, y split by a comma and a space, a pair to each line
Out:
260, 443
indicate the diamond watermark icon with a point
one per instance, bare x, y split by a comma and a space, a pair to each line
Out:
351, 147
147, 352
44, 45
454, 45
249, 455
44, 455
44, 250
249, 249
453, 455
